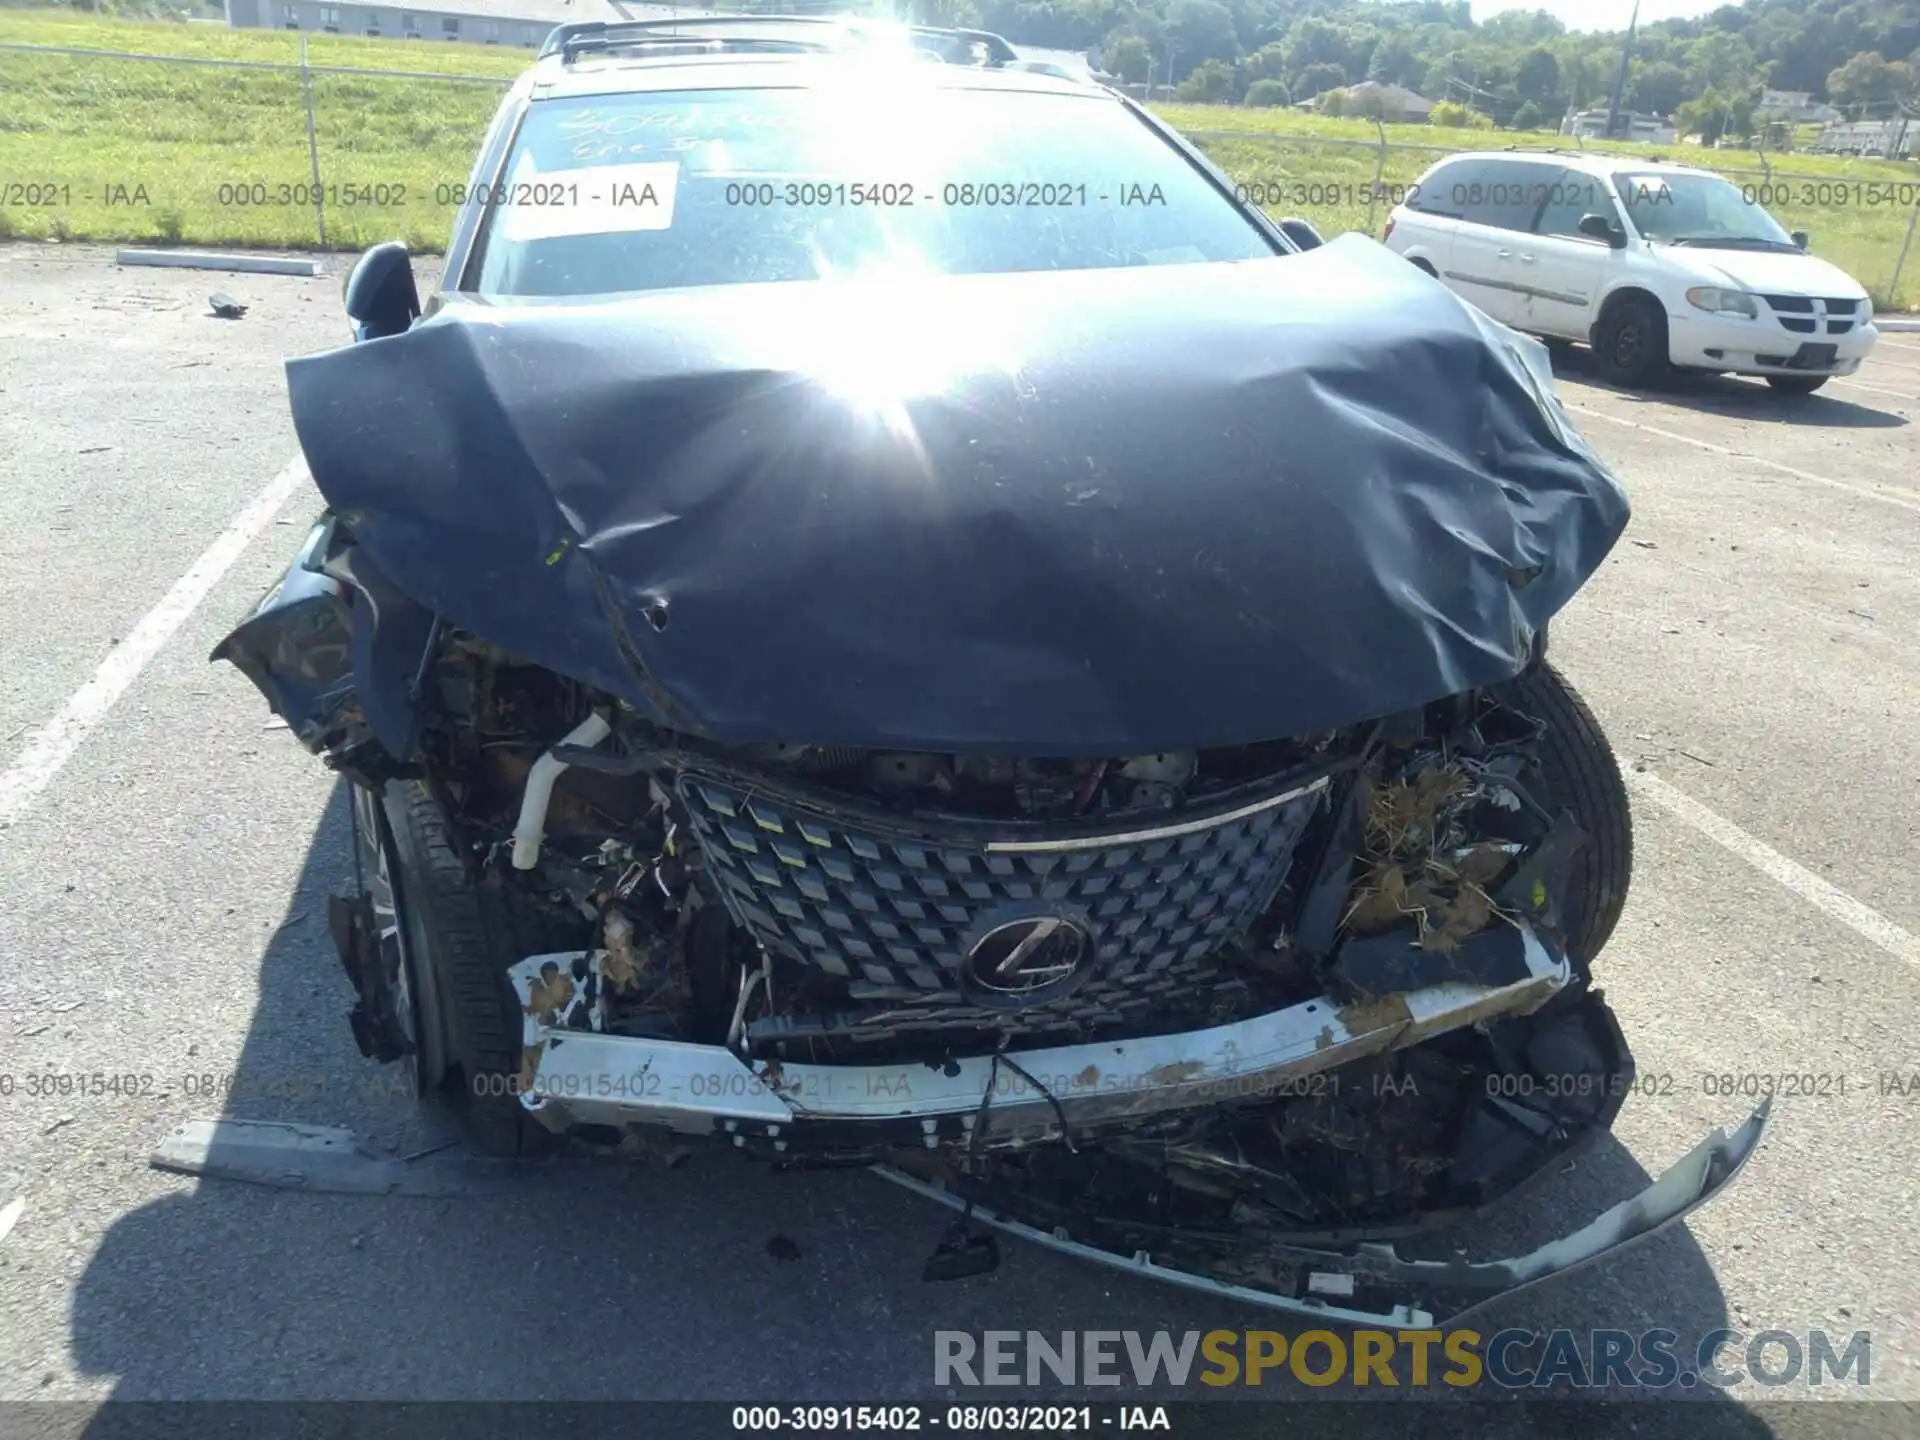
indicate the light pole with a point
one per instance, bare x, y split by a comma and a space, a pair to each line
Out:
1620, 80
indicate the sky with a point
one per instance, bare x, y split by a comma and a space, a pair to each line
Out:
1600, 14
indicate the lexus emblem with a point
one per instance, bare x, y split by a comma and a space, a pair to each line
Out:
1026, 961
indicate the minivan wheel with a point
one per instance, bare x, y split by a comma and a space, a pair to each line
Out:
1630, 342
1797, 384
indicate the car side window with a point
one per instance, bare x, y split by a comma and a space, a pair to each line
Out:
1444, 192
1506, 194
1571, 197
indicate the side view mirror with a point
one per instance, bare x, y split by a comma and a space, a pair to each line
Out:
1802, 239
1301, 233
381, 296
1599, 227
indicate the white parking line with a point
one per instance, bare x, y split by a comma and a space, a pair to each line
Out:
1906, 500
1863, 920
1877, 389
53, 744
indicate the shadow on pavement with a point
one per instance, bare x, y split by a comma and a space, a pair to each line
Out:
598, 1280
1737, 398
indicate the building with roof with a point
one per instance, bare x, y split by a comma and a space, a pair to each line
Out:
522, 23
1647, 129
1896, 139
1796, 106
1389, 102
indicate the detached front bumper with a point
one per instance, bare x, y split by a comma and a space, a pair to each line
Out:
574, 1075
1372, 1284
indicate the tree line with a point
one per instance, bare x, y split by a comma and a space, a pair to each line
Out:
1519, 68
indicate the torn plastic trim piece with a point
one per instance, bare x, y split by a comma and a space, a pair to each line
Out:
1158, 832
1684, 1186
590, 1077
1404, 1317
1419, 1286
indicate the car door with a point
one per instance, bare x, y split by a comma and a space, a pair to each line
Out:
1427, 218
1497, 200
1567, 272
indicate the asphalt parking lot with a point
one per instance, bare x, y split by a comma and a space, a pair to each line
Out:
165, 856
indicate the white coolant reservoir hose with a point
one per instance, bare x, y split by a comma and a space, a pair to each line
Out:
532, 828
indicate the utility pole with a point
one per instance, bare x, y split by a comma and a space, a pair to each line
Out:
1620, 80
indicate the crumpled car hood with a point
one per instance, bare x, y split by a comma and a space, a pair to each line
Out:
1082, 514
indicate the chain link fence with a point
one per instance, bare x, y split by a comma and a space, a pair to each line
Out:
100, 145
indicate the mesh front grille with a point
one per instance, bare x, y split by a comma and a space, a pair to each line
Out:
899, 912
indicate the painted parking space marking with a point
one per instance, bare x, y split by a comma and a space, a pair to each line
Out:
1906, 500
1860, 918
53, 744
1877, 389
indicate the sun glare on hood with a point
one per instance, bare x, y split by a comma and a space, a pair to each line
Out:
891, 333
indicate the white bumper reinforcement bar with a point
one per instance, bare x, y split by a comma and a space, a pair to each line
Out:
582, 1076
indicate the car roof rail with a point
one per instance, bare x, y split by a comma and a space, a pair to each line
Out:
767, 33
998, 51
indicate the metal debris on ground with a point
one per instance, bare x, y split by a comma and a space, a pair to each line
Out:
225, 306
321, 1159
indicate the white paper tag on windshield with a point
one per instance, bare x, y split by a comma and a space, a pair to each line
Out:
594, 200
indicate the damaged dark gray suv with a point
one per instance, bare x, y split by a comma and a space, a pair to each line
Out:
883, 618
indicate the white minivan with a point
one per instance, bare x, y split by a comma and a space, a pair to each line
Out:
1653, 264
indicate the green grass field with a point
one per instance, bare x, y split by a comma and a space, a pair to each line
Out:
142, 150
133, 150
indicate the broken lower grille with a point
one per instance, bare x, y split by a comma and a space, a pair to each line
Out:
895, 916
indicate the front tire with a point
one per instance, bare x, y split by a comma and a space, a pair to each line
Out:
1582, 776
1630, 343
1797, 384
466, 931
